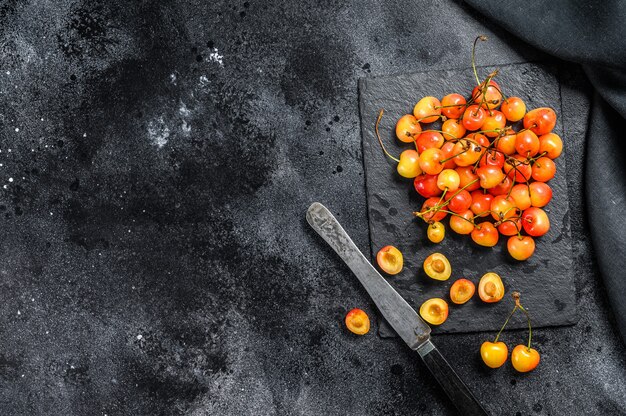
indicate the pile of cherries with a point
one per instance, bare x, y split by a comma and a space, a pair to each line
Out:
481, 167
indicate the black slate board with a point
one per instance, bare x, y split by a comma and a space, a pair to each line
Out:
545, 280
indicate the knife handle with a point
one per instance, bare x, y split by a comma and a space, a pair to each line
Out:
452, 384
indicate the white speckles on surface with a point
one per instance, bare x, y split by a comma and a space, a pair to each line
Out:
173, 78
158, 132
215, 56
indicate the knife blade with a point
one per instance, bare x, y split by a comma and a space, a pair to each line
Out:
400, 315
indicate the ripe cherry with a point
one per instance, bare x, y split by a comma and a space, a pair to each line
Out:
512, 226
535, 221
481, 203
459, 201
452, 129
524, 359
429, 139
467, 152
493, 124
550, 144
480, 139
518, 167
521, 195
494, 354
453, 105
467, 175
540, 194
485, 234
408, 165
543, 169
492, 158
430, 161
521, 247
463, 222
490, 176
448, 154
426, 185
527, 143
506, 142
489, 97
502, 188
503, 207
429, 215
427, 110
407, 128
540, 120
436, 232
448, 179
513, 109
474, 117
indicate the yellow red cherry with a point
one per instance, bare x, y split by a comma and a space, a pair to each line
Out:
540, 120
357, 321
436, 232
408, 166
448, 179
490, 288
485, 234
430, 161
521, 247
437, 267
462, 223
494, 354
540, 194
543, 169
513, 109
408, 128
452, 105
462, 291
427, 110
493, 124
434, 311
551, 145
452, 129
524, 359
390, 260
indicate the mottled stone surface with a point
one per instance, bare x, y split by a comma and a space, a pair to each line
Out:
158, 159
546, 280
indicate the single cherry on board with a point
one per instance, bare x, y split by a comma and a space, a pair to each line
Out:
521, 247
427, 110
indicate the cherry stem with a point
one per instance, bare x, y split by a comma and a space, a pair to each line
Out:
530, 329
380, 116
481, 38
505, 323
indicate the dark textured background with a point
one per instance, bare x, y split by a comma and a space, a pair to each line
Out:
157, 160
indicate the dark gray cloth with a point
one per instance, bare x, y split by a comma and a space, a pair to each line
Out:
594, 35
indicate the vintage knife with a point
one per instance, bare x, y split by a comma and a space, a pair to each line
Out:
404, 320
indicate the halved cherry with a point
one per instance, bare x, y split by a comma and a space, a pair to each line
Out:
521, 247
426, 185
427, 110
452, 105
494, 354
390, 260
437, 267
357, 321
481, 203
452, 129
540, 194
461, 291
429, 139
543, 169
524, 359
408, 166
436, 232
474, 117
407, 128
485, 234
513, 109
490, 288
540, 120
463, 222
434, 311
550, 144
535, 221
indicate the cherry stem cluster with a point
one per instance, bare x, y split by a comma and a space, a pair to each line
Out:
518, 305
